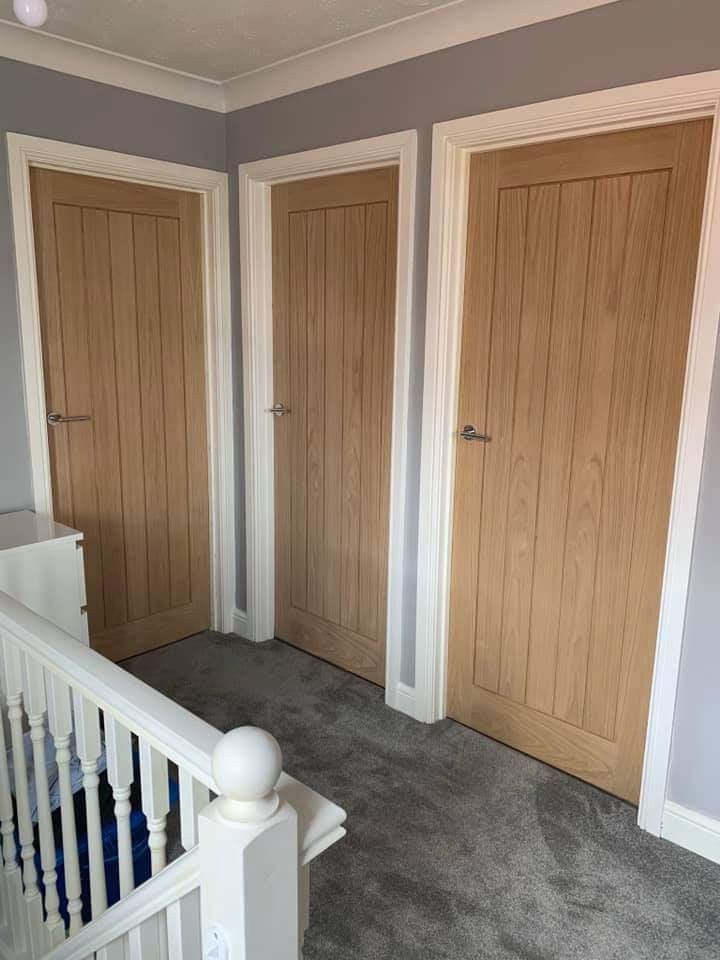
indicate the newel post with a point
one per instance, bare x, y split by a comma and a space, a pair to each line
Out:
248, 842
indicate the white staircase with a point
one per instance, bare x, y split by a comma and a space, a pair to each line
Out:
239, 891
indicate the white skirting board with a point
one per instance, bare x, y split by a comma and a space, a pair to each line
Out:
240, 624
403, 699
691, 830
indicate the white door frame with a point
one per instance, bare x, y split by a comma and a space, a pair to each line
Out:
662, 101
25, 152
255, 182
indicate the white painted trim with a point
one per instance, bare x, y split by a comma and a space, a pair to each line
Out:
691, 830
178, 879
240, 624
420, 33
104, 66
413, 36
25, 152
453, 143
184, 738
255, 181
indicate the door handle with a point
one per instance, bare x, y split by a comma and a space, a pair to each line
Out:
53, 418
469, 432
279, 410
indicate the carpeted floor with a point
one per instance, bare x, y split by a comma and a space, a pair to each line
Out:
458, 848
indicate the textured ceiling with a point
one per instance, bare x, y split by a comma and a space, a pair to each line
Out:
218, 39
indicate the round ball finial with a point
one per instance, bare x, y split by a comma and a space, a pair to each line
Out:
246, 765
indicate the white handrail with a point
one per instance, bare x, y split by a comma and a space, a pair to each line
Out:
181, 736
178, 734
170, 885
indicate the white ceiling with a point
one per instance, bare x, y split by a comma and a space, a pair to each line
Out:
218, 39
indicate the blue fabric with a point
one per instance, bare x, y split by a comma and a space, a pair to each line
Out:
140, 849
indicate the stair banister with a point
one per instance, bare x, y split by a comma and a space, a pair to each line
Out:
245, 878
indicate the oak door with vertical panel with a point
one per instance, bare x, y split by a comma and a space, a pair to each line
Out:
334, 250
581, 261
120, 286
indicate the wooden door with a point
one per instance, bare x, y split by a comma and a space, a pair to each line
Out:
581, 261
120, 285
334, 251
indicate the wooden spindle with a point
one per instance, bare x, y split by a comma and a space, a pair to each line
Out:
14, 679
36, 708
193, 797
60, 721
89, 747
155, 802
15, 904
118, 744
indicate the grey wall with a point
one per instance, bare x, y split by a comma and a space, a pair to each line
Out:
695, 767
48, 104
625, 42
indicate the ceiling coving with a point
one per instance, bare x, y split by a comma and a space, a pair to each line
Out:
228, 54
217, 39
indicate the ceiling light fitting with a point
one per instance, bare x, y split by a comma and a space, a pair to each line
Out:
33, 13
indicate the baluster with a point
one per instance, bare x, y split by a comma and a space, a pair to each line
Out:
89, 747
148, 941
155, 802
36, 708
13, 877
60, 722
193, 797
118, 744
183, 927
14, 692
113, 951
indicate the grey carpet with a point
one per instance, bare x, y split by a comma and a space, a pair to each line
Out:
458, 848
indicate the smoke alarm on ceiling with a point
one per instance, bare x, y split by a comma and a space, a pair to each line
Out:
33, 13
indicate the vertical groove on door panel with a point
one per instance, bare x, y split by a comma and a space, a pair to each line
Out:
529, 403
374, 324
127, 359
615, 538
174, 409
101, 347
298, 404
71, 269
510, 268
153, 419
352, 412
610, 219
334, 327
575, 228
315, 409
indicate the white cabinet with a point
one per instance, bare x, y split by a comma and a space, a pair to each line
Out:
41, 565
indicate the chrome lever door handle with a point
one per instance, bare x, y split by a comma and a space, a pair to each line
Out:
279, 410
469, 432
53, 418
